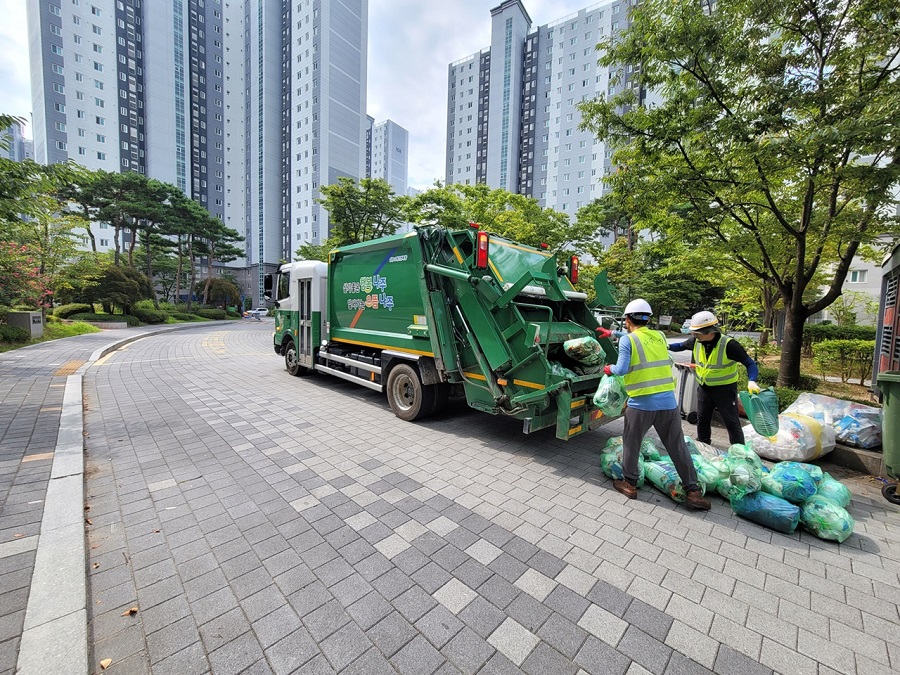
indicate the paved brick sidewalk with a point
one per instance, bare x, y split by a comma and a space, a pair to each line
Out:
263, 523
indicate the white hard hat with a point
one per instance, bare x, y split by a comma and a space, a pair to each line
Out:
639, 309
702, 320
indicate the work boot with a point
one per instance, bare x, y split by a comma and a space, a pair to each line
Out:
696, 500
628, 489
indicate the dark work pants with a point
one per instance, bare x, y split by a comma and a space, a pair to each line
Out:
723, 399
668, 425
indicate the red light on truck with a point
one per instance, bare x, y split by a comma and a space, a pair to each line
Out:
544, 246
482, 242
573, 269
474, 225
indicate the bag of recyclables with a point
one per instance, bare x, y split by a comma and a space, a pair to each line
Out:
854, 423
834, 490
767, 510
585, 350
699, 448
799, 438
650, 451
664, 477
611, 465
789, 481
745, 471
610, 396
708, 474
825, 519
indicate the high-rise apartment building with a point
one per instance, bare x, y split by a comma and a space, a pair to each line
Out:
14, 145
388, 155
248, 106
512, 120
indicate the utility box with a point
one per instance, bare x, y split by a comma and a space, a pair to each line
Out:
30, 321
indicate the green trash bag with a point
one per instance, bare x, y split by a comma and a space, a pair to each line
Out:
815, 472
585, 350
611, 396
707, 473
664, 477
744, 473
613, 440
833, 489
762, 411
650, 452
825, 519
611, 465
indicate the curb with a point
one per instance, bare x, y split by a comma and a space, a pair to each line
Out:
55, 636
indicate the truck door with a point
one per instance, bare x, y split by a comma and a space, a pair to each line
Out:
304, 332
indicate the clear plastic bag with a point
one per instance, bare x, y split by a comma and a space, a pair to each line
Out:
826, 519
833, 489
585, 350
854, 423
799, 438
664, 477
611, 396
767, 510
698, 448
789, 481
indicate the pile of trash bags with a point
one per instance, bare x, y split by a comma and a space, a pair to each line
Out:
789, 495
853, 423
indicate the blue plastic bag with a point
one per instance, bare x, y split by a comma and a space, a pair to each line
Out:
768, 510
611, 465
788, 481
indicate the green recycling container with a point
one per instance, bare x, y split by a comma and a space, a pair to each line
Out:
889, 384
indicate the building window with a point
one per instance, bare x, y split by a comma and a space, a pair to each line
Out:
95, 11
61, 145
59, 89
98, 67
104, 242
56, 49
60, 126
101, 155
858, 276
56, 30
55, 10
59, 107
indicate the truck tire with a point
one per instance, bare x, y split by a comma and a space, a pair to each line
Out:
408, 397
291, 364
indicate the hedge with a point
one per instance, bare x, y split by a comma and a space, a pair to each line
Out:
819, 332
106, 318
218, 314
768, 377
848, 357
149, 315
66, 311
183, 316
13, 334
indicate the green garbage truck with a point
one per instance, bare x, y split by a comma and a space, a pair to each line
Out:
441, 312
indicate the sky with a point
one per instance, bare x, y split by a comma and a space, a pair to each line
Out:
411, 44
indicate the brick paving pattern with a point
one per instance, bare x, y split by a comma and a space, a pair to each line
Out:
263, 523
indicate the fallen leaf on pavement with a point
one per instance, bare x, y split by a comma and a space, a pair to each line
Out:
105, 663
130, 612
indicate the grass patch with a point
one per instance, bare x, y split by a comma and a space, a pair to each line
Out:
53, 331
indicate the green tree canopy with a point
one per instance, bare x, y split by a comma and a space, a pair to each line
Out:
772, 139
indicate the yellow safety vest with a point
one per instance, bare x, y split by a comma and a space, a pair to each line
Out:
717, 369
650, 370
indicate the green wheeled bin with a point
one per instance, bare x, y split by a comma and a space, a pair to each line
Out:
889, 384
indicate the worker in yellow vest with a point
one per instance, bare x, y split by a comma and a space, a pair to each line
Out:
645, 365
716, 358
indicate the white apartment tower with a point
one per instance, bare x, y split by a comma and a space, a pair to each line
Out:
248, 106
512, 120
388, 155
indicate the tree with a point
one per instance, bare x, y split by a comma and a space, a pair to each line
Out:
361, 211
777, 124
217, 243
118, 287
509, 215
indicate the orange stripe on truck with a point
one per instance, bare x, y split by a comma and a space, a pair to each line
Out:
356, 318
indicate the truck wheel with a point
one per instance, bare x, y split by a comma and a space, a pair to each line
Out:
290, 360
407, 396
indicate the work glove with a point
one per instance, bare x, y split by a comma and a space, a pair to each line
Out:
752, 387
607, 370
604, 332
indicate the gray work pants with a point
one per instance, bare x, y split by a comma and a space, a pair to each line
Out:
668, 425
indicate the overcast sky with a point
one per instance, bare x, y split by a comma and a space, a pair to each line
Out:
411, 43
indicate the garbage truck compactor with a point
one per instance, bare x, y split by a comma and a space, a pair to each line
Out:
437, 312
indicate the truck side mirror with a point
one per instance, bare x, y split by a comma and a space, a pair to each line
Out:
268, 284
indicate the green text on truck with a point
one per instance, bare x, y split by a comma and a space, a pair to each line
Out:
439, 312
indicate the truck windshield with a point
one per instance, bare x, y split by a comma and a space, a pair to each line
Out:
284, 285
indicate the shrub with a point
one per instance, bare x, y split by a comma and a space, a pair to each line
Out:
149, 315
13, 334
786, 396
3, 310
182, 316
768, 377
65, 311
88, 316
818, 332
848, 357
218, 314
53, 319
